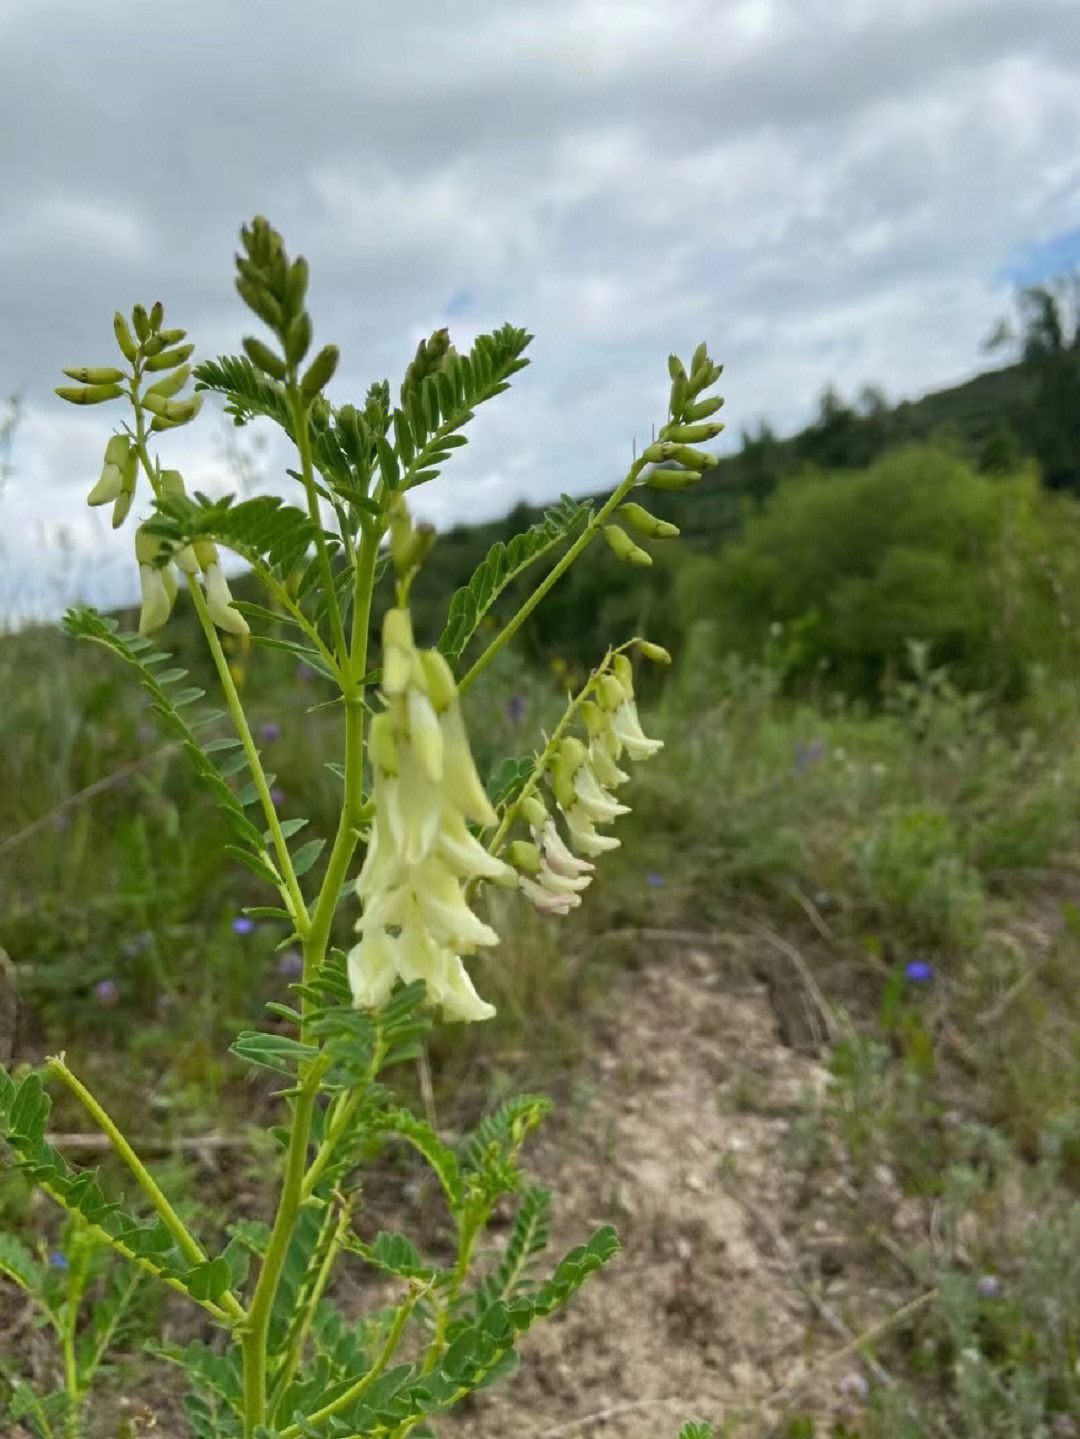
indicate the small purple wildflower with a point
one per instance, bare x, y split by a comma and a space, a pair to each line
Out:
290, 965
304, 673
270, 731
106, 993
989, 1286
243, 924
277, 794
58, 1260
854, 1387
516, 706
919, 971
654, 879
809, 754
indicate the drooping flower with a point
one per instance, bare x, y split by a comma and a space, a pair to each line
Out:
416, 922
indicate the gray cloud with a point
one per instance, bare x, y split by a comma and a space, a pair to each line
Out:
828, 192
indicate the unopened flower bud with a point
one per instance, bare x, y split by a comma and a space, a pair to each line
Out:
166, 359
110, 486
220, 603
96, 375
88, 394
123, 337
666, 479
657, 653
645, 524
524, 856
398, 650
320, 372
264, 358
693, 434
172, 384
141, 320
623, 547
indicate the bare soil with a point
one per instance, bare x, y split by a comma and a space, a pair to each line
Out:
739, 1289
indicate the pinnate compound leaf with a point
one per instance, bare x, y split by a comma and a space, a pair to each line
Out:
86, 623
423, 1138
502, 564
263, 530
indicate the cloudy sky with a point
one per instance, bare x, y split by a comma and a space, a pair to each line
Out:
828, 191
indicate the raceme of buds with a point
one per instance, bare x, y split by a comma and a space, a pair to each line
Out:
416, 922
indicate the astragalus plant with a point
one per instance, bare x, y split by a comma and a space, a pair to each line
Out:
418, 842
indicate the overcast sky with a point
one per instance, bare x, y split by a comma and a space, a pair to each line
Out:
828, 191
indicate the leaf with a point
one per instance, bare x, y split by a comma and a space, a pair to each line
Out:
19, 1265
423, 1138
306, 856
263, 530
510, 779
273, 1051
528, 1239
501, 565
86, 623
394, 1254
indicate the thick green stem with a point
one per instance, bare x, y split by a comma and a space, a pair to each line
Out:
299, 413
588, 534
303, 1321
262, 1301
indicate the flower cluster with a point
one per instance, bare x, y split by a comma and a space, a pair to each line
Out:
416, 923
583, 778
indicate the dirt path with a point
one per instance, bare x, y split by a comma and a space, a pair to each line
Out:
681, 1146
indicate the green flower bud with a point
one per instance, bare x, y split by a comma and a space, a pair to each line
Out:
319, 372
179, 412
623, 547
157, 314
172, 337
524, 856
671, 479
123, 337
97, 375
296, 286
695, 459
166, 359
438, 680
172, 482
646, 524
110, 486
703, 408
703, 378
122, 508
675, 368
657, 653
259, 299
172, 384
298, 338
700, 357
264, 358
153, 346
693, 434
88, 394
141, 321
534, 812
677, 402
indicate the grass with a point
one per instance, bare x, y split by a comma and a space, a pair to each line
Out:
918, 861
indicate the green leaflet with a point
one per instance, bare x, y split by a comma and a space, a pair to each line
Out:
87, 623
528, 1239
273, 1051
502, 564
263, 530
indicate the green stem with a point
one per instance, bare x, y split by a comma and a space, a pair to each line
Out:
588, 534
302, 431
470, 1233
334, 1130
291, 892
188, 1245
347, 836
360, 1388
303, 1321
262, 1301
